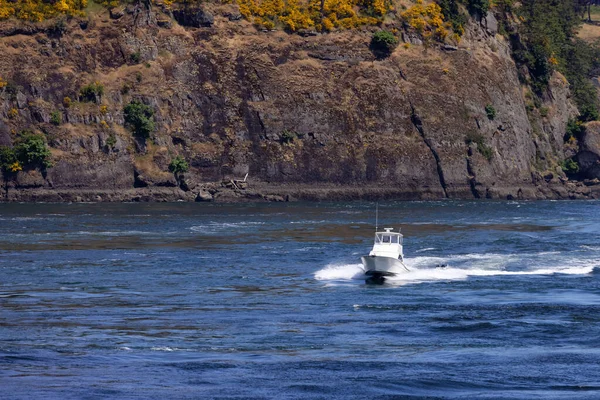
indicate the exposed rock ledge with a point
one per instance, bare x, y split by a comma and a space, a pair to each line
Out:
283, 193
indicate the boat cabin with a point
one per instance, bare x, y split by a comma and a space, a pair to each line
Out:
388, 237
388, 244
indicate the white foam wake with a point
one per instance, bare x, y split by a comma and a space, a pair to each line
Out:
340, 272
218, 227
428, 269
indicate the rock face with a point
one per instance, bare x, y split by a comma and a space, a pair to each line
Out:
490, 23
588, 157
194, 17
305, 115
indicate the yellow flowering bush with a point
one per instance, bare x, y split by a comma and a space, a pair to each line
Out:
377, 7
38, 10
15, 167
426, 20
292, 15
322, 15
296, 16
114, 3
6, 9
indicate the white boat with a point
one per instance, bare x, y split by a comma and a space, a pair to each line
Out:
386, 258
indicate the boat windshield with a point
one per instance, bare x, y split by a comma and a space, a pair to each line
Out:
386, 238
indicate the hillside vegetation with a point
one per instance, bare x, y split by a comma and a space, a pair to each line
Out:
40, 10
445, 98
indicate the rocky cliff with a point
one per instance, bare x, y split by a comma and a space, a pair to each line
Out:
306, 116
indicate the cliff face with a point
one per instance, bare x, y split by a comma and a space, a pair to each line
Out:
296, 113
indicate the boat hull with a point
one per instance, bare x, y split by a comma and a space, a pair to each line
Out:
384, 266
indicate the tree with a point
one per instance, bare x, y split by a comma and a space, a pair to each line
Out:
178, 166
585, 6
31, 150
139, 118
383, 44
547, 41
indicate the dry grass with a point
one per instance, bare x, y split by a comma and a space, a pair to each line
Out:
93, 8
75, 131
147, 165
595, 13
589, 33
208, 150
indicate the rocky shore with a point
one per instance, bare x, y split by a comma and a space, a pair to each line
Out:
223, 193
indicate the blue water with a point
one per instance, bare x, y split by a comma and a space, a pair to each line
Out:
197, 301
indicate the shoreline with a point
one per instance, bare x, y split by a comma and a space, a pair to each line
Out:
266, 192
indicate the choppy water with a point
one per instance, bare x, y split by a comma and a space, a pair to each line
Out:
153, 301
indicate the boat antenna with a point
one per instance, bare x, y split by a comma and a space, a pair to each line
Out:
376, 215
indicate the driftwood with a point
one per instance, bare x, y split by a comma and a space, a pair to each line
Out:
240, 184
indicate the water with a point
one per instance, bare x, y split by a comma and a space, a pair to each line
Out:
153, 301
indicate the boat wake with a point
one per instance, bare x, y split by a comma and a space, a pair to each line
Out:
430, 269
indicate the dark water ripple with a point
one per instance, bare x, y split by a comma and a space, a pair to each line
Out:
188, 301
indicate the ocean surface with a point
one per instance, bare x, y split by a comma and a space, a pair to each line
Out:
253, 301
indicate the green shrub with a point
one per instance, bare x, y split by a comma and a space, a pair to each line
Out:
454, 15
504, 5
111, 141
581, 62
135, 57
478, 7
8, 158
570, 166
139, 118
482, 148
288, 136
58, 29
31, 150
529, 106
178, 165
383, 44
92, 92
490, 112
575, 129
485, 151
55, 118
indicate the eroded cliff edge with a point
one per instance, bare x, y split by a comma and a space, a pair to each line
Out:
307, 117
